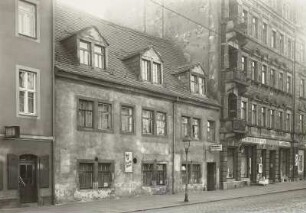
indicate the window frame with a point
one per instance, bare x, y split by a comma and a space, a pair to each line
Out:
190, 127
302, 88
36, 3
196, 89
209, 128
154, 173
111, 114
151, 63
102, 55
79, 171
150, 120
133, 118
36, 113
191, 172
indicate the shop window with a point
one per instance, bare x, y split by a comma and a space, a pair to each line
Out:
86, 175
194, 173
230, 162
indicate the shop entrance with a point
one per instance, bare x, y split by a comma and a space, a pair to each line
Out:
272, 166
211, 176
27, 178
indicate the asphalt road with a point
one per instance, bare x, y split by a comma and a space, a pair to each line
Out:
294, 201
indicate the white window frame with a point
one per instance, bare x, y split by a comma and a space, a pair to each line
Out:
35, 38
36, 92
153, 79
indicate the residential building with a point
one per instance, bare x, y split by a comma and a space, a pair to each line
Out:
26, 102
125, 101
260, 120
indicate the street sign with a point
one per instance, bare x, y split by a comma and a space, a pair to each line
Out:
216, 147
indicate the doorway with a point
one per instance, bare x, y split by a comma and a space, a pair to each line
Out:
27, 178
211, 176
272, 166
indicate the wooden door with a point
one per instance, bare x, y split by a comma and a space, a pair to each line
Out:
272, 166
211, 176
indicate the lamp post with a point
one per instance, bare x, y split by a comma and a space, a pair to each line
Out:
186, 141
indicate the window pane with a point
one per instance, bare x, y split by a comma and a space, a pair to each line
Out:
85, 175
146, 70
21, 101
156, 73
85, 114
147, 171
195, 128
27, 18
104, 175
161, 123
22, 79
31, 80
104, 116
147, 122
84, 45
127, 119
185, 126
31, 102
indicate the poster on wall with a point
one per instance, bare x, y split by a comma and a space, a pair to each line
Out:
128, 162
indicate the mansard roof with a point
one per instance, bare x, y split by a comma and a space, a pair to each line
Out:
122, 44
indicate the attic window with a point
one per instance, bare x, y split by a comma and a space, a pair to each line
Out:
197, 84
84, 52
99, 59
151, 71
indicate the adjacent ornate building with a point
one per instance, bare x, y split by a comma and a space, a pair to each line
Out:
262, 128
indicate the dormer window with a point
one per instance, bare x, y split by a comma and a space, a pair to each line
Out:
156, 77
197, 84
85, 53
99, 53
146, 70
151, 71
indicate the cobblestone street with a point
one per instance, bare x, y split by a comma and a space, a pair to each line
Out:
282, 202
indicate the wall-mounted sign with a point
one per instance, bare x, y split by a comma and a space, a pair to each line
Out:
128, 162
216, 147
12, 131
264, 141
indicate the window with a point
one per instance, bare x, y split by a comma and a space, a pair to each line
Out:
156, 73
301, 123
86, 175
151, 71
27, 19
211, 129
104, 175
243, 110
281, 43
263, 116
197, 84
288, 122
191, 127
99, 53
104, 116
244, 65
27, 92
272, 78
185, 126
273, 39
147, 122
84, 53
288, 85
127, 119
280, 120
161, 123
254, 114
272, 120
196, 128
302, 88
148, 169
264, 74
255, 27
194, 173
301, 161
264, 33
254, 70
245, 16
289, 48
280, 81
85, 114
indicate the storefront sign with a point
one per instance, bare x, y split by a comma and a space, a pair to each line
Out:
284, 143
128, 166
254, 140
263, 141
12, 131
216, 147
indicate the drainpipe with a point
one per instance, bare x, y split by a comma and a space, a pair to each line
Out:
173, 140
53, 104
294, 111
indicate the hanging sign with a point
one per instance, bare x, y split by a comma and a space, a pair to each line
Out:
128, 162
215, 147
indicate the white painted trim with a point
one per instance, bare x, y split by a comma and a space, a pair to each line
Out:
37, 100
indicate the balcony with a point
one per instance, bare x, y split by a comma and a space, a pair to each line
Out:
239, 126
237, 76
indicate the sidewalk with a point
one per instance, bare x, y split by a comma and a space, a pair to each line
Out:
161, 201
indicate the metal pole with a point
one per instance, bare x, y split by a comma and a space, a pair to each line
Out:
187, 178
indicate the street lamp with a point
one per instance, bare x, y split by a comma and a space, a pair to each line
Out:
186, 141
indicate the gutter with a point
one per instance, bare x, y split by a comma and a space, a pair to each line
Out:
173, 141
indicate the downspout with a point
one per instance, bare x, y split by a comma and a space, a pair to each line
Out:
173, 140
294, 111
53, 105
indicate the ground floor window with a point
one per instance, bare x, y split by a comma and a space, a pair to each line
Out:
194, 173
154, 174
230, 162
91, 172
301, 161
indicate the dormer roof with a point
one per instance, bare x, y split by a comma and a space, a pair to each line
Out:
196, 68
149, 50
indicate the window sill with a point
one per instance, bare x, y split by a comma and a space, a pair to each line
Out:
29, 38
30, 116
154, 136
127, 133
